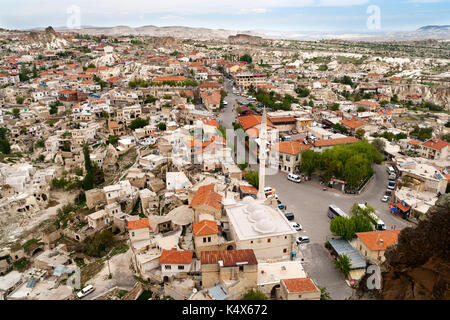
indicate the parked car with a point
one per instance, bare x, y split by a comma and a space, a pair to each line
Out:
294, 178
85, 291
289, 216
281, 206
302, 239
385, 198
391, 185
268, 191
296, 226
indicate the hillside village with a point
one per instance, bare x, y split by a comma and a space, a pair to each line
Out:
124, 162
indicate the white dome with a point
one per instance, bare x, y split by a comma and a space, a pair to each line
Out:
248, 199
257, 215
264, 226
253, 206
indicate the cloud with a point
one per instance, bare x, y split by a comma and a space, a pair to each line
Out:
256, 10
170, 17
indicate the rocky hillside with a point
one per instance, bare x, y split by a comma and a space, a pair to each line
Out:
175, 32
245, 38
419, 266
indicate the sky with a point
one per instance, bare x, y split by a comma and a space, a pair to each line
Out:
334, 16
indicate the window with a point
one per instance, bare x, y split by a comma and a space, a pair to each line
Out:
209, 239
288, 158
132, 234
204, 240
284, 250
180, 267
268, 240
241, 268
167, 267
365, 253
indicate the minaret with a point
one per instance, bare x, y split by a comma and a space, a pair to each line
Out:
262, 155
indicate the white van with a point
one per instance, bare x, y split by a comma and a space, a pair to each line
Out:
294, 178
85, 291
390, 170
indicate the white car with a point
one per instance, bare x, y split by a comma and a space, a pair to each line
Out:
385, 198
267, 191
302, 239
294, 178
296, 226
85, 291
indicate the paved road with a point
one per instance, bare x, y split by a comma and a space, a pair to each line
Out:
309, 203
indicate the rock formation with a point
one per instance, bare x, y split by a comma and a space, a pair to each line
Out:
418, 267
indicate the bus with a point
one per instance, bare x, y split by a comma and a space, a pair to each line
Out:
376, 221
334, 211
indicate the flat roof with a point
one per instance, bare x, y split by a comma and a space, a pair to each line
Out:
273, 272
342, 246
251, 219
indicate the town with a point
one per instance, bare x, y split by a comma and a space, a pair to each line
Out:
165, 168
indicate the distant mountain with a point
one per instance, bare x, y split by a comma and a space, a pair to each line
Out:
171, 31
423, 33
434, 28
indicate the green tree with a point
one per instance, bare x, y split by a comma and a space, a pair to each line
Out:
302, 91
343, 264
161, 126
310, 162
16, 113
324, 294
113, 140
360, 133
356, 169
254, 295
138, 123
252, 177
342, 227
243, 165
20, 100
246, 58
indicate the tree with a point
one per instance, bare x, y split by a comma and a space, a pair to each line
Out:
23, 75
356, 169
324, 294
5, 147
87, 158
379, 144
112, 140
302, 91
20, 100
254, 295
243, 165
310, 162
138, 123
360, 133
323, 67
394, 98
347, 80
343, 263
35, 74
246, 58
342, 227
161, 126
16, 113
252, 177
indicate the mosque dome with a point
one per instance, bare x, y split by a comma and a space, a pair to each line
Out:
264, 226
248, 199
257, 215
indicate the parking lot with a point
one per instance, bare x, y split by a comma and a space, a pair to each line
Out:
310, 203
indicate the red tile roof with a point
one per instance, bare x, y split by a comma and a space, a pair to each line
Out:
290, 147
251, 121
211, 97
210, 122
353, 123
170, 78
206, 196
205, 227
333, 142
248, 189
229, 258
138, 224
175, 257
379, 240
436, 144
300, 285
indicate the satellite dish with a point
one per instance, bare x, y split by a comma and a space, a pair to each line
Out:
194, 290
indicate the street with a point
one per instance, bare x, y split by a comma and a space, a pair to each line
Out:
310, 203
